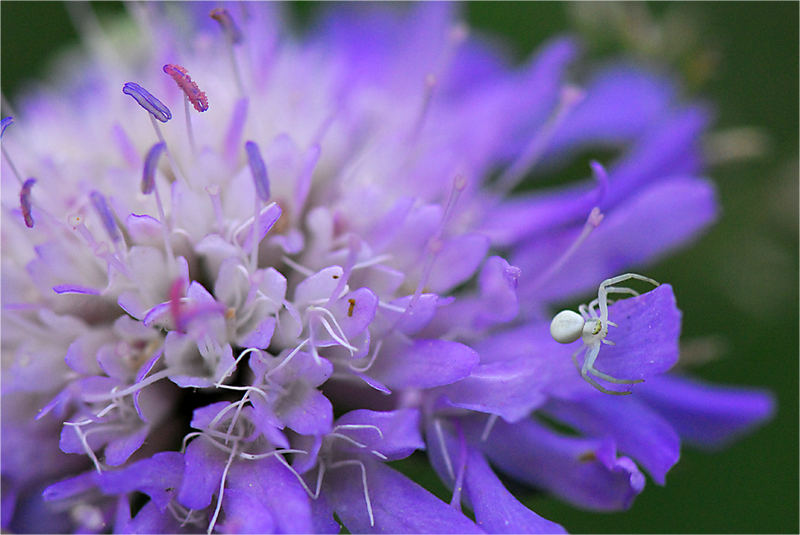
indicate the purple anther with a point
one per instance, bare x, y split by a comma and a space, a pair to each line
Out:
5, 123
601, 175
229, 27
25, 198
258, 169
147, 101
150, 166
100, 205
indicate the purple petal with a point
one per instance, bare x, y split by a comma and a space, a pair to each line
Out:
638, 430
398, 504
158, 477
265, 497
496, 509
322, 516
457, 261
424, 364
707, 415
305, 410
646, 337
584, 472
356, 311
151, 519
203, 466
203, 416
668, 152
261, 335
414, 319
395, 434
498, 288
73, 486
76, 289
118, 450
509, 388
639, 230
266, 422
266, 219
621, 102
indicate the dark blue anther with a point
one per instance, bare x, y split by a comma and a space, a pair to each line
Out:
150, 166
147, 101
101, 207
258, 169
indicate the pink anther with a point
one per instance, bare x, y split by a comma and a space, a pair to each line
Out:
188, 86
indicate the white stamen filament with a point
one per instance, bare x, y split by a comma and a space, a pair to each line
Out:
189, 130
363, 482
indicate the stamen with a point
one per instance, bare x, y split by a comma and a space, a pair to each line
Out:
5, 123
233, 37
233, 136
189, 130
85, 443
147, 101
601, 175
258, 170
488, 427
149, 186
569, 98
227, 24
430, 86
188, 86
218, 507
363, 482
371, 360
25, 201
592, 222
437, 426
101, 207
462, 468
150, 166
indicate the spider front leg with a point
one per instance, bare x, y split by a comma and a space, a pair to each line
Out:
607, 286
588, 368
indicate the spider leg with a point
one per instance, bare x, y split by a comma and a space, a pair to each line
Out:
606, 390
597, 373
588, 362
575, 358
607, 288
588, 368
592, 306
628, 276
584, 311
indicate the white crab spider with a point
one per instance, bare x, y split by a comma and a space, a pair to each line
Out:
567, 326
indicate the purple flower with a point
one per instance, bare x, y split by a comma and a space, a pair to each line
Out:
238, 337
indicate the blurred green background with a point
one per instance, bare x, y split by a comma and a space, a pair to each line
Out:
737, 285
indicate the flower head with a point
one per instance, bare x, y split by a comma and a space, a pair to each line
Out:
240, 335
